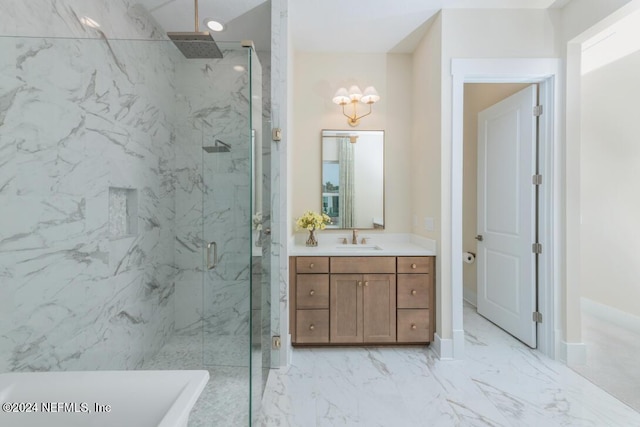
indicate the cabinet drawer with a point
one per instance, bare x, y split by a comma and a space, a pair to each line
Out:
413, 325
414, 291
415, 264
312, 326
312, 291
312, 264
363, 264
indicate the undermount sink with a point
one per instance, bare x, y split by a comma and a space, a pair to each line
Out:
352, 247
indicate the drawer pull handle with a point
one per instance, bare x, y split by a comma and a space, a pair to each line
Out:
312, 292
311, 265
366, 283
311, 327
414, 266
413, 292
413, 326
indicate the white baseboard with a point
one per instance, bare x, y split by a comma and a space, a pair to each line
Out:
443, 347
572, 353
470, 296
611, 315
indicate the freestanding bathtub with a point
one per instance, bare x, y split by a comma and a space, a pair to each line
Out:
100, 398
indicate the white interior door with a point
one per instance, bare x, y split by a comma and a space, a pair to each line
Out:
506, 214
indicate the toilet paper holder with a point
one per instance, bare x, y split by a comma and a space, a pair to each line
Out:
469, 257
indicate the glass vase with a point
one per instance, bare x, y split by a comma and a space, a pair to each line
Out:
312, 240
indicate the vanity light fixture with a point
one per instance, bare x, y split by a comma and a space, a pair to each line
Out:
353, 96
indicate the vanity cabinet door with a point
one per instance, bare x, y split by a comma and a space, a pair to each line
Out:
379, 307
345, 308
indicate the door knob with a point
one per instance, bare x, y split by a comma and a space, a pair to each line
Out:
312, 327
413, 292
312, 292
479, 238
413, 326
366, 283
311, 265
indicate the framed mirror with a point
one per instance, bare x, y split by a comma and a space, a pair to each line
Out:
353, 178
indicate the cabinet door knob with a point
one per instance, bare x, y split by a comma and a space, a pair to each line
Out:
312, 292
311, 327
311, 265
359, 283
413, 292
366, 283
413, 326
414, 266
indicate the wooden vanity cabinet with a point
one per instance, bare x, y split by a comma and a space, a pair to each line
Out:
361, 300
362, 308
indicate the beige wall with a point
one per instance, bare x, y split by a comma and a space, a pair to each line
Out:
477, 97
425, 147
610, 185
316, 78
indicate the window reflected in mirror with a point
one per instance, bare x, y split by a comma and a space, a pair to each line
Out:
353, 178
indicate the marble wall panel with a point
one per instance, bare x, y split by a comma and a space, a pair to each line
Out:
79, 116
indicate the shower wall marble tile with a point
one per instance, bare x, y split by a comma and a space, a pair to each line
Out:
117, 19
78, 117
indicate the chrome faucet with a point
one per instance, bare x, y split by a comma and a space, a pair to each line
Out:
354, 239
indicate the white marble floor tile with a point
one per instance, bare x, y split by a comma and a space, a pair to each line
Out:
501, 382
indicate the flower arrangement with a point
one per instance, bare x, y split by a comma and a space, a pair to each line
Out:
257, 221
312, 221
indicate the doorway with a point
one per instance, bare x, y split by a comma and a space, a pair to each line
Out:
499, 205
545, 73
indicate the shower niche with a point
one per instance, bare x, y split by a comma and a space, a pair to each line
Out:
123, 212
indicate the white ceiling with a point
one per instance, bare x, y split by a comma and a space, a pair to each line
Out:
365, 26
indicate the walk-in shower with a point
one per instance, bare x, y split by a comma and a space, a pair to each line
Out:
110, 197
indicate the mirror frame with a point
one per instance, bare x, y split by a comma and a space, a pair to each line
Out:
384, 180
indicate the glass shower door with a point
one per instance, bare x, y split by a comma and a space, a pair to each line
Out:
231, 281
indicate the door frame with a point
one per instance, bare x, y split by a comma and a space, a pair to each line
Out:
547, 73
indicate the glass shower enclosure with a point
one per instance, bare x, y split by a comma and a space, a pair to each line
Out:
128, 186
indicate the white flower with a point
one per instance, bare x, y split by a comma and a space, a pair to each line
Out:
257, 221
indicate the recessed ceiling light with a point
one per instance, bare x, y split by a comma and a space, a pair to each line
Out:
213, 25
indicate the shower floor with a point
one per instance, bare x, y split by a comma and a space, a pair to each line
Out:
225, 399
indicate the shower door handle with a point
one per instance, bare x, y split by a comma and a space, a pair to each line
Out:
211, 266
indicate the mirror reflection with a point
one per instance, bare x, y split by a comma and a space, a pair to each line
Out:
353, 178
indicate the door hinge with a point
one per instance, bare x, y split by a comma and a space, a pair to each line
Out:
537, 317
537, 179
536, 248
537, 110
276, 342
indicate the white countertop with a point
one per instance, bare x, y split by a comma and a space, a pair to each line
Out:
378, 244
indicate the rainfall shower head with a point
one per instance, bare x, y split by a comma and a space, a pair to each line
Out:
197, 44
220, 147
